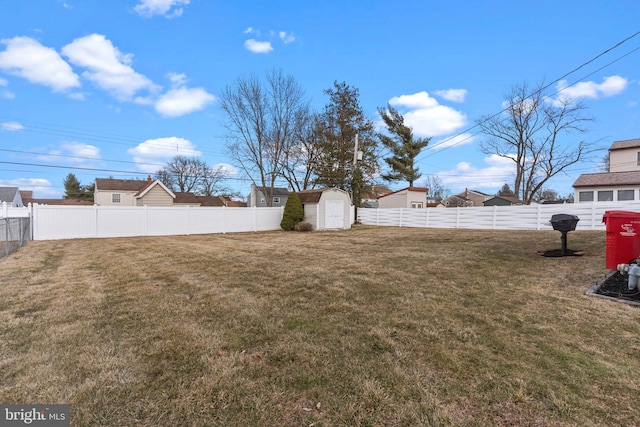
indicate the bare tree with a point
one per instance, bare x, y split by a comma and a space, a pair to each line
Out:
264, 120
298, 169
604, 163
212, 181
184, 174
437, 190
532, 133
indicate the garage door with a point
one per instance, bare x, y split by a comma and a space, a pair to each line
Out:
334, 214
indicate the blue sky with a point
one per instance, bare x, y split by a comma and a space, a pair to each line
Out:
116, 88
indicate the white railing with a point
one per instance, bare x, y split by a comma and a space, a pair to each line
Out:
532, 217
52, 222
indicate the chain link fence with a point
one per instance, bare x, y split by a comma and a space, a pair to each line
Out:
14, 233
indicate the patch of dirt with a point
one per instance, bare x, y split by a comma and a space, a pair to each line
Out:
616, 286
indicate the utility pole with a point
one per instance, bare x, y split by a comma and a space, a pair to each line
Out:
356, 179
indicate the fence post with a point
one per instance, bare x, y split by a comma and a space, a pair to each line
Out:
426, 220
188, 220
6, 234
5, 210
224, 219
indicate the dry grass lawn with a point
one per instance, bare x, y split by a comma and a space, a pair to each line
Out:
367, 327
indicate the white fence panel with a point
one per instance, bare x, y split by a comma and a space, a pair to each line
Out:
59, 221
7, 211
532, 217
70, 222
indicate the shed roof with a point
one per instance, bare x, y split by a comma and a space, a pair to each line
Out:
607, 179
627, 143
313, 196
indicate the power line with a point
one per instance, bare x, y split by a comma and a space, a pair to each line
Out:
538, 91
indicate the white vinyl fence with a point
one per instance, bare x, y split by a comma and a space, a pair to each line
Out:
51, 222
532, 217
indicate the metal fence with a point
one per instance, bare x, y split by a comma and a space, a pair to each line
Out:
14, 233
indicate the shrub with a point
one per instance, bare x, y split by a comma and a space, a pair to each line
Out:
293, 212
303, 226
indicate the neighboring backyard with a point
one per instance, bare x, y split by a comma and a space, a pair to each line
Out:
366, 327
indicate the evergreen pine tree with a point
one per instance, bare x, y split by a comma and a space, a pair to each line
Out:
293, 212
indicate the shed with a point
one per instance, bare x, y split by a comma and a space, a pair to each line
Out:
326, 208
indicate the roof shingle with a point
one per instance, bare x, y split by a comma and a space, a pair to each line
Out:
608, 178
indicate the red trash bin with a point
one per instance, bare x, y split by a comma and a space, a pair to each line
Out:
623, 237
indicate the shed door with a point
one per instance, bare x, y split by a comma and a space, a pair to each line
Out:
334, 214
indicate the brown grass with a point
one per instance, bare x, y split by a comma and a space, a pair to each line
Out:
368, 327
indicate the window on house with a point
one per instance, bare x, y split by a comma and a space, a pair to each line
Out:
276, 200
115, 198
585, 196
605, 196
416, 205
626, 194
638, 158
262, 200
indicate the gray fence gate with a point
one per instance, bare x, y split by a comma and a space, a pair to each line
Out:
14, 233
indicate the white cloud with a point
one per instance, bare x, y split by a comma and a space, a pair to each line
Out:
41, 188
496, 171
610, 86
72, 152
3, 82
426, 116
167, 8
257, 46
453, 141
27, 58
106, 66
79, 149
11, 126
152, 152
249, 30
286, 37
181, 100
454, 95
226, 169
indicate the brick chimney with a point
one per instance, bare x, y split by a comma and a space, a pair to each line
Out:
149, 179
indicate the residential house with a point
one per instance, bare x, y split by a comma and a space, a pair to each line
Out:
326, 208
258, 196
468, 198
621, 183
11, 196
409, 197
132, 192
370, 194
503, 201
457, 201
